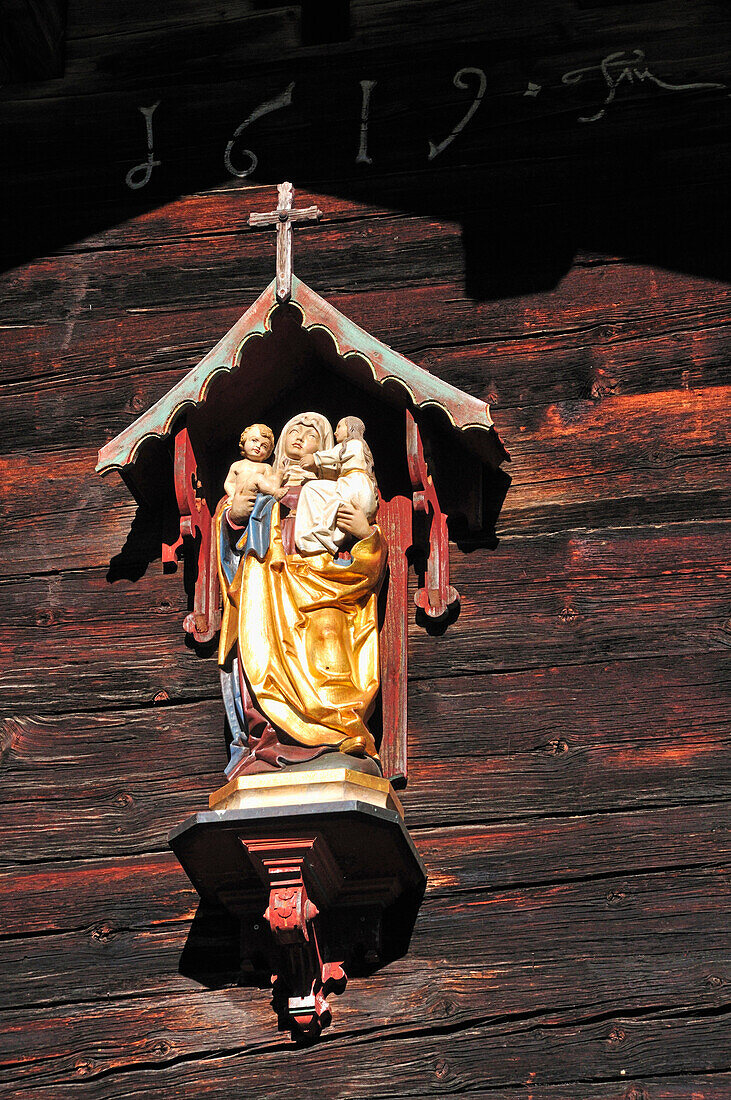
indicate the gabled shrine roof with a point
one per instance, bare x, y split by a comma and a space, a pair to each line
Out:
386, 365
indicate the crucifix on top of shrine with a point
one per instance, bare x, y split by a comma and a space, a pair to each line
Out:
283, 217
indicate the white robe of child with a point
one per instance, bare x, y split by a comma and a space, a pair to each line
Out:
342, 477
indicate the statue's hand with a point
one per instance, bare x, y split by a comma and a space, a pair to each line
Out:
295, 475
242, 503
353, 520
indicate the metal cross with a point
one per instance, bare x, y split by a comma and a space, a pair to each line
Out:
283, 217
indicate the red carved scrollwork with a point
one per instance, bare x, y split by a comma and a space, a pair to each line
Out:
195, 518
290, 911
438, 595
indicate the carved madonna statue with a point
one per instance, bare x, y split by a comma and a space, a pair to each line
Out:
299, 635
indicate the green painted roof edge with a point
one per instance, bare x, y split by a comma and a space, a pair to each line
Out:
463, 410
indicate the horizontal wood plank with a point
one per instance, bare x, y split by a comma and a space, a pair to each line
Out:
584, 333
664, 458
148, 1048
150, 891
135, 774
663, 916
561, 600
524, 359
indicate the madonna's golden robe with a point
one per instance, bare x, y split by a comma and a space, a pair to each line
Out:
307, 636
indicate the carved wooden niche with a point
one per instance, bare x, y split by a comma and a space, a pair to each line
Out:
321, 854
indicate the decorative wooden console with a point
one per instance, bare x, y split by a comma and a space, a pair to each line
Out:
321, 871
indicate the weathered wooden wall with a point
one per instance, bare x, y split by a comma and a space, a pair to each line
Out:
569, 734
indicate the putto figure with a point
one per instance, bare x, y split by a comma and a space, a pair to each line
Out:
252, 472
344, 480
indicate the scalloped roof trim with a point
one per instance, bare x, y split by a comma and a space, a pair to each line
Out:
386, 365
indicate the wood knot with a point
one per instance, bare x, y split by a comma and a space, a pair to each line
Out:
556, 747
616, 1037
123, 799
101, 933
83, 1067
602, 386
714, 981
493, 398
441, 1069
44, 617
636, 1094
615, 897
138, 402
6, 739
568, 614
160, 697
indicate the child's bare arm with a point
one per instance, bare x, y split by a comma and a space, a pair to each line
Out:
229, 484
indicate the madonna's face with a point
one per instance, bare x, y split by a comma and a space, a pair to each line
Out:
302, 439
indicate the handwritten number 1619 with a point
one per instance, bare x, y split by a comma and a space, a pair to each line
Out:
242, 162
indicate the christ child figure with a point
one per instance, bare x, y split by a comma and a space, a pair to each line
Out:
252, 473
344, 479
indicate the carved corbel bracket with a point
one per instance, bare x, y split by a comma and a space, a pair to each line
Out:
287, 868
195, 522
436, 598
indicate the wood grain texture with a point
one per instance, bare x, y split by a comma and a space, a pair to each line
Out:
58, 371
102, 960
32, 41
150, 1058
604, 597
134, 775
150, 890
639, 459
551, 946
568, 735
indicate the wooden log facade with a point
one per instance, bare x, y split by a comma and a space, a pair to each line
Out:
568, 734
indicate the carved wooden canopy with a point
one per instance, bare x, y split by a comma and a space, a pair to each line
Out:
360, 357
432, 445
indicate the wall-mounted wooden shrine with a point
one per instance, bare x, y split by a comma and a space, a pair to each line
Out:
308, 831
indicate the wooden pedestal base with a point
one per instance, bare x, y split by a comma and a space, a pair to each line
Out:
337, 881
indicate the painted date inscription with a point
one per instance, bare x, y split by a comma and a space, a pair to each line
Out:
623, 68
